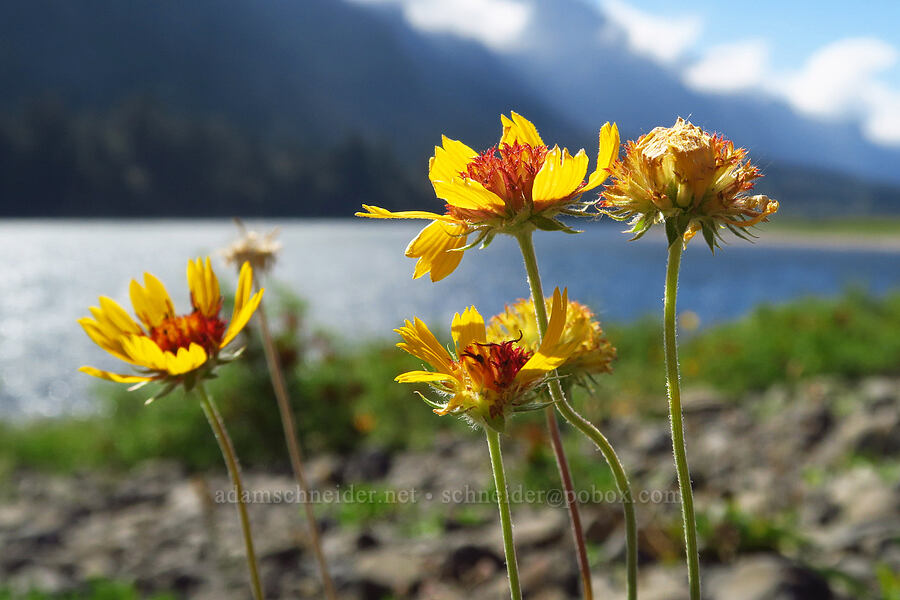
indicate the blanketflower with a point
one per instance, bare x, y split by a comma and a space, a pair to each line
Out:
592, 354
518, 185
168, 347
688, 178
485, 381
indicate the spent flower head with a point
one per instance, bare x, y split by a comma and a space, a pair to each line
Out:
485, 381
592, 353
166, 347
260, 251
521, 184
689, 179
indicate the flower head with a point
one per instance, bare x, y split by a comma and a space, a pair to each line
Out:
592, 353
164, 346
688, 178
517, 185
482, 380
258, 250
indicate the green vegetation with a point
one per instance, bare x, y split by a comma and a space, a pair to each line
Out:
344, 396
733, 532
849, 336
100, 589
882, 226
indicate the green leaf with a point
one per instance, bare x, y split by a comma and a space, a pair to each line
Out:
429, 402
710, 236
547, 224
487, 240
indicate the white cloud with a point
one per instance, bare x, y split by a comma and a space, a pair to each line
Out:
664, 39
497, 24
837, 79
883, 123
730, 68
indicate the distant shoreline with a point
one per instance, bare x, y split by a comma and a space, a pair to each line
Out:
829, 241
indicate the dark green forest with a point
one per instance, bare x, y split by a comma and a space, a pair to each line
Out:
137, 159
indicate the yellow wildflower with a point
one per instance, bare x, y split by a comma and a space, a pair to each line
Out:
518, 185
691, 180
165, 346
592, 352
485, 381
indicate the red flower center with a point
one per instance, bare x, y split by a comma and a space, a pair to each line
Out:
495, 365
196, 328
508, 171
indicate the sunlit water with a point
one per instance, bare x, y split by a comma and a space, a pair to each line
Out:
358, 284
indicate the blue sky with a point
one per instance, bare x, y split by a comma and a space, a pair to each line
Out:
834, 61
794, 30
828, 60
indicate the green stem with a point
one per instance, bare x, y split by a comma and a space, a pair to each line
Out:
584, 426
509, 548
234, 469
676, 419
290, 436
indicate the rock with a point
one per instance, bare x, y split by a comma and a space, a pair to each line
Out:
366, 465
766, 577
540, 529
701, 401
471, 564
875, 433
322, 470
863, 496
879, 392
38, 577
393, 569
662, 583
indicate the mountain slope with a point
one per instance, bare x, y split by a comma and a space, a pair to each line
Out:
315, 70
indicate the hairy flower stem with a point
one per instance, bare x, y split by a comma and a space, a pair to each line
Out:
290, 437
509, 548
234, 469
584, 426
676, 419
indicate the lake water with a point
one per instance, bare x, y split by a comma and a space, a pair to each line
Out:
358, 284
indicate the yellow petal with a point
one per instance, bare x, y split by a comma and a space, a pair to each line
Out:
151, 302
244, 306
186, 360
560, 175
421, 376
551, 353
116, 317
469, 194
519, 129
245, 286
607, 154
436, 248
114, 376
204, 286
144, 352
468, 328
112, 344
450, 160
557, 322
376, 212
421, 343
